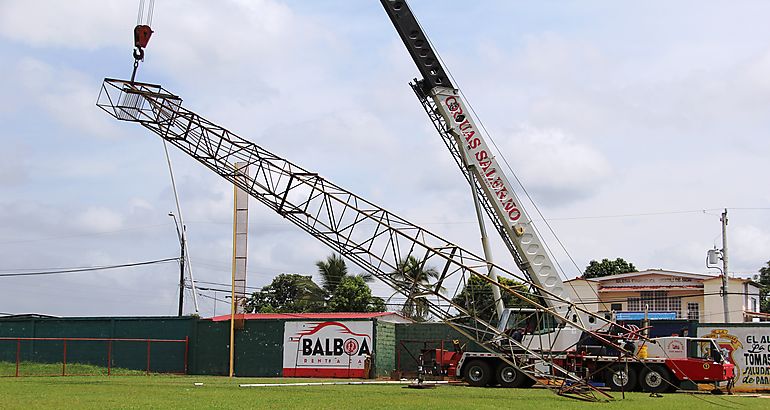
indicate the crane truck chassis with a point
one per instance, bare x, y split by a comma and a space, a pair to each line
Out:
669, 362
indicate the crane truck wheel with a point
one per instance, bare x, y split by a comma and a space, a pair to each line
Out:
621, 378
509, 376
655, 379
477, 373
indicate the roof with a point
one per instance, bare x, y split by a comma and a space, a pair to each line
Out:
29, 316
656, 272
643, 288
315, 316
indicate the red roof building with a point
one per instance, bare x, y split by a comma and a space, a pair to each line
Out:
382, 316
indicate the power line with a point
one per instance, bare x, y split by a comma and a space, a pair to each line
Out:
95, 268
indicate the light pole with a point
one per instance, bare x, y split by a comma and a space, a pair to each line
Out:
180, 233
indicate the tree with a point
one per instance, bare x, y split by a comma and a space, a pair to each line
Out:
411, 275
333, 270
287, 293
352, 294
764, 290
607, 267
476, 296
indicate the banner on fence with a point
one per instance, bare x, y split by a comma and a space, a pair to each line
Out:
748, 347
327, 349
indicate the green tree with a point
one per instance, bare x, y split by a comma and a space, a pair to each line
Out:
287, 293
764, 290
410, 276
476, 296
333, 270
352, 294
607, 267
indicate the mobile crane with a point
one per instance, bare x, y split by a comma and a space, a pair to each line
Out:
370, 236
493, 192
377, 241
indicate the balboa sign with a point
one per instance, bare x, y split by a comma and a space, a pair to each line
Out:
326, 349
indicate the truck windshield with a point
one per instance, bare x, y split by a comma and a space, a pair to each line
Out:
705, 349
529, 322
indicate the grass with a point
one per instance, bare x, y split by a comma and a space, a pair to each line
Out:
165, 391
54, 369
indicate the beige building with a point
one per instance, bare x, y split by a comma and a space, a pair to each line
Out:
693, 296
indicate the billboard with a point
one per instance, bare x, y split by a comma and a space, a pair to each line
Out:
327, 348
748, 348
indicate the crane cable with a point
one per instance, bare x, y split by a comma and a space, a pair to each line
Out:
142, 33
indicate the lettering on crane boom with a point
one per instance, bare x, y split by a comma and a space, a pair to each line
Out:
477, 152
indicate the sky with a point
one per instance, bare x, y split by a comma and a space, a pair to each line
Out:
631, 125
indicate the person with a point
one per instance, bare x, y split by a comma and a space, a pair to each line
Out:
518, 334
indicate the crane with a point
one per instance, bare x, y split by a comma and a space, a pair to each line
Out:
491, 188
367, 234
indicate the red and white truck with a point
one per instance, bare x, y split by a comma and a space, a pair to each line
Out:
669, 363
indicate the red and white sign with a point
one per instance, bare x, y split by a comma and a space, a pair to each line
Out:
326, 349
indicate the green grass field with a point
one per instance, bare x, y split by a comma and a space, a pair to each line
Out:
54, 369
158, 391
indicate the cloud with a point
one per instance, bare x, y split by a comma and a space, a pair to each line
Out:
65, 95
554, 166
747, 244
72, 24
99, 220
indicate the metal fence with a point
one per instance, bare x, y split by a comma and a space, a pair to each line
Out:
71, 356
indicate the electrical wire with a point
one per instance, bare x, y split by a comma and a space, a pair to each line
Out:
95, 268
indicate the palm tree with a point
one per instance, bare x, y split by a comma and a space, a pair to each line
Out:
411, 275
332, 270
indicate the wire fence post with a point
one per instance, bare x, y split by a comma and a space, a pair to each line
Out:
18, 355
109, 357
186, 347
64, 359
148, 356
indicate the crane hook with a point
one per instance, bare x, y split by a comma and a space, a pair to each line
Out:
138, 53
142, 34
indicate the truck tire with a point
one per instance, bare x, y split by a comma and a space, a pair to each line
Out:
477, 373
655, 379
617, 379
509, 376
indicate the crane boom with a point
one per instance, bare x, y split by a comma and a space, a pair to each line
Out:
454, 122
373, 238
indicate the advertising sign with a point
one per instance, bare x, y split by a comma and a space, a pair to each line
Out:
748, 348
326, 349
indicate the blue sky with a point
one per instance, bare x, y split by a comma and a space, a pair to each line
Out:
602, 109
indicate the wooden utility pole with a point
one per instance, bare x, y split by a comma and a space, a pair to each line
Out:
725, 279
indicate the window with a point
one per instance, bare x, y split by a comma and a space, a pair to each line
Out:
655, 301
754, 305
693, 311
675, 305
616, 307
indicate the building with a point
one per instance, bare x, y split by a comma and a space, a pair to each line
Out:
693, 296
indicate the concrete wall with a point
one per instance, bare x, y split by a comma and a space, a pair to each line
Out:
385, 348
713, 310
748, 345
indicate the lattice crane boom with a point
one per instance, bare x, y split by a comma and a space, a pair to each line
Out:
373, 238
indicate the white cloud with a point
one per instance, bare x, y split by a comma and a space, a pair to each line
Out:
98, 219
554, 166
64, 94
748, 246
71, 24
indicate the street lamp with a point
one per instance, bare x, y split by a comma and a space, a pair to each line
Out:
180, 233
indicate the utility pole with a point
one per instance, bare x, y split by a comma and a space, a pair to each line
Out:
181, 275
725, 279
180, 233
